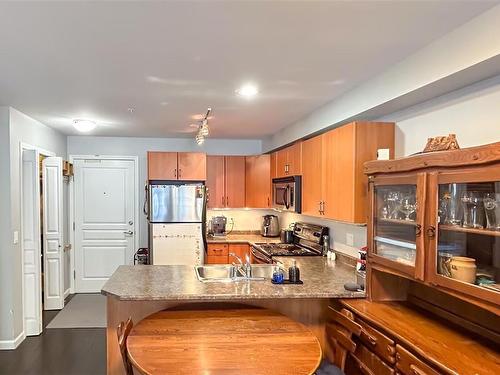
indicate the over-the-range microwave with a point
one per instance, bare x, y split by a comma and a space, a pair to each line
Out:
287, 193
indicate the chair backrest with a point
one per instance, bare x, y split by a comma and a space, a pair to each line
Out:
340, 332
122, 332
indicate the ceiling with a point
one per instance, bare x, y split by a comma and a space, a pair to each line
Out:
169, 61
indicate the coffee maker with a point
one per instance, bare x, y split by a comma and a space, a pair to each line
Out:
218, 225
270, 226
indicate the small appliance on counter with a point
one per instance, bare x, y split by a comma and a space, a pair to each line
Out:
218, 226
307, 240
270, 226
141, 256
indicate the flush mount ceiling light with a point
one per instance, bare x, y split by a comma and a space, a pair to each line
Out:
84, 126
248, 91
203, 130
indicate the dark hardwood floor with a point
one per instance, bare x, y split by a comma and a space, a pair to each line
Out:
76, 351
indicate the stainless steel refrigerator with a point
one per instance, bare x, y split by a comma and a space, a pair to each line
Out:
177, 216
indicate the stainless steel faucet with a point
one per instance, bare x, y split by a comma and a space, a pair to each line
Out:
244, 268
236, 267
248, 267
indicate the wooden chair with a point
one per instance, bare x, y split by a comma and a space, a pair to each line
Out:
122, 332
339, 333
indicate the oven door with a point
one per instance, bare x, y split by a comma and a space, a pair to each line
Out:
259, 258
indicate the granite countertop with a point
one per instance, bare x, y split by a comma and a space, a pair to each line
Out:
322, 278
249, 238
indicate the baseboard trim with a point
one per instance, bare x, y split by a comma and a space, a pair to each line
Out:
67, 293
12, 344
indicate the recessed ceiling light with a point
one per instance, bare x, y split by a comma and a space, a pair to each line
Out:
84, 126
248, 90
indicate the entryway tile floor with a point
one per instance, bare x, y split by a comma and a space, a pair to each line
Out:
61, 351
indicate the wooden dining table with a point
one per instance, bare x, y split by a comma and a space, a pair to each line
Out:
222, 341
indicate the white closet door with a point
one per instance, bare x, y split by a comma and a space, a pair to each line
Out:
31, 243
53, 291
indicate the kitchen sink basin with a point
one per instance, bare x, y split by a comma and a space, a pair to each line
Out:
228, 273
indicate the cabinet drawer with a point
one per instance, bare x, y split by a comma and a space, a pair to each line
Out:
217, 249
366, 362
377, 342
216, 259
408, 364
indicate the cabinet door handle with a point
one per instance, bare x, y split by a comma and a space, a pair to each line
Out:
418, 230
175, 173
431, 231
227, 201
222, 200
268, 203
180, 170
372, 340
319, 207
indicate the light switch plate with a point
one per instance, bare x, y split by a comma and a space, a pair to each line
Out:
16, 237
349, 239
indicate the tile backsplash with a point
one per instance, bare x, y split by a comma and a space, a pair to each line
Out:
345, 238
244, 219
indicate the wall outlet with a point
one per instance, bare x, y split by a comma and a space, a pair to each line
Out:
349, 239
16, 237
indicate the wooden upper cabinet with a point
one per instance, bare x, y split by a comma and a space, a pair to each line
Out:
162, 165
192, 166
289, 160
235, 181
333, 183
339, 196
273, 160
215, 181
312, 176
187, 166
226, 181
258, 181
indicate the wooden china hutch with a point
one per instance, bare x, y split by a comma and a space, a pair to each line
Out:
433, 268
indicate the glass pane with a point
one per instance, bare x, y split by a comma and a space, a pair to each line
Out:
395, 215
469, 233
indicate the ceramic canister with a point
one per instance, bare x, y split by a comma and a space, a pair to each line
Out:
463, 269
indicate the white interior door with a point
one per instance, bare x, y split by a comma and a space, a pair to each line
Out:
53, 271
104, 220
32, 287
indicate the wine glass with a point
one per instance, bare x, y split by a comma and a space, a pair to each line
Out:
408, 206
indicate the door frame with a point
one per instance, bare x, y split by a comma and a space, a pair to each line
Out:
39, 151
71, 215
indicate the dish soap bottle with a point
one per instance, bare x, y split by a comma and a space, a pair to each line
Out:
278, 276
294, 273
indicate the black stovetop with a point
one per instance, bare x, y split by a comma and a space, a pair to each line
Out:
283, 249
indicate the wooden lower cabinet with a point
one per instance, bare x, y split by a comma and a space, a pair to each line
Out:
401, 338
218, 253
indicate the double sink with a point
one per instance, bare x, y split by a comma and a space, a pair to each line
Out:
230, 273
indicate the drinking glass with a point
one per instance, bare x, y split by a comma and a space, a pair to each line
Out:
473, 210
454, 212
491, 203
408, 206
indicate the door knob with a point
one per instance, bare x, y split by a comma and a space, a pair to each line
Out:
129, 232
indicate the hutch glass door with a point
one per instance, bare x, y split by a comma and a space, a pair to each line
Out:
468, 235
396, 225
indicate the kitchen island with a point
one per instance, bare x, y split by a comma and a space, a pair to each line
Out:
138, 291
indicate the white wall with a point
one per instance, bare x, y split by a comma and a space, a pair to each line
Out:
470, 44
26, 130
472, 113
130, 146
7, 284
